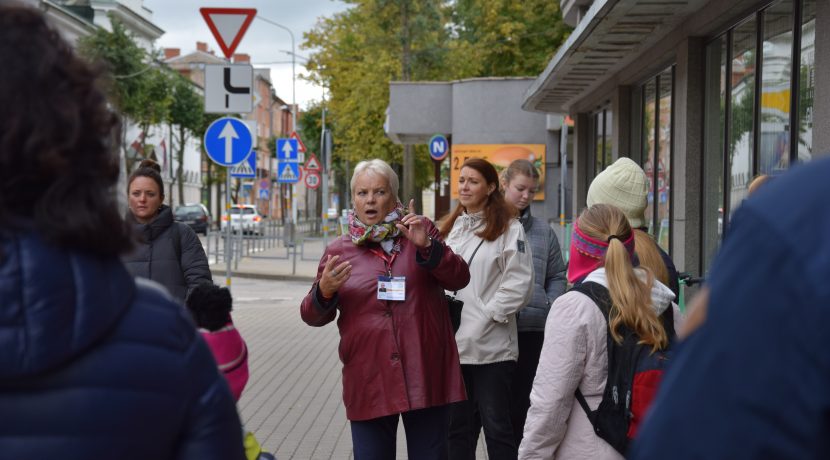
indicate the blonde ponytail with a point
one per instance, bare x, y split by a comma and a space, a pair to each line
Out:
630, 296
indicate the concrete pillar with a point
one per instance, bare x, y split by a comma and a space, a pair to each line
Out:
688, 153
821, 107
581, 158
621, 128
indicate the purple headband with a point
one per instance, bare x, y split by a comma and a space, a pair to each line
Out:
594, 248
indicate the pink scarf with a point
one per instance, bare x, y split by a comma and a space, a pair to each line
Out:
587, 254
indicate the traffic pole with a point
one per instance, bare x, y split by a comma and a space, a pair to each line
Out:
228, 232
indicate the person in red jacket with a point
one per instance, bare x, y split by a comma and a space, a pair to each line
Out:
397, 345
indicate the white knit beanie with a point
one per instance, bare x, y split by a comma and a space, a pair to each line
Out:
624, 185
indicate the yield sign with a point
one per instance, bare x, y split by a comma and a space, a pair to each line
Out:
312, 164
228, 25
300, 145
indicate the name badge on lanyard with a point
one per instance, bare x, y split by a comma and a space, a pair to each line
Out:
391, 287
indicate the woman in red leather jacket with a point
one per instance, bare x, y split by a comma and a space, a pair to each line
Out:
397, 344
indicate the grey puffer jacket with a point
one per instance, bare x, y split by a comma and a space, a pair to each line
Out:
549, 272
156, 255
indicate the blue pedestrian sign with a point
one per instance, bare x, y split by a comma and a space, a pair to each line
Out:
287, 150
288, 173
246, 169
264, 193
228, 141
439, 148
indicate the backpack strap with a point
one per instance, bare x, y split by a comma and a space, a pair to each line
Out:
176, 235
602, 299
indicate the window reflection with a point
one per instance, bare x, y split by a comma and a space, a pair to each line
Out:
741, 138
649, 121
663, 177
714, 106
774, 151
807, 82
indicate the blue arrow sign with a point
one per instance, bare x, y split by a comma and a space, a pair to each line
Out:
438, 147
246, 169
228, 141
287, 150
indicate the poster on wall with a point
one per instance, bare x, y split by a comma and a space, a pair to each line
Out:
500, 156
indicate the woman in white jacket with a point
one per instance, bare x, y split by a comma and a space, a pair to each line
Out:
484, 230
574, 354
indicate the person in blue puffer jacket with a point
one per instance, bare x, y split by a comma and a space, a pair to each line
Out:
92, 363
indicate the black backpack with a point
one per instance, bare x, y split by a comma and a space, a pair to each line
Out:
634, 375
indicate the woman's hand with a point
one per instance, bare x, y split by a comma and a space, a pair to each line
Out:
412, 227
334, 275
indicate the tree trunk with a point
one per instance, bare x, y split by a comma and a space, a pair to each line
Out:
409, 191
180, 159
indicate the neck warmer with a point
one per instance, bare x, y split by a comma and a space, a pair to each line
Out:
384, 233
587, 254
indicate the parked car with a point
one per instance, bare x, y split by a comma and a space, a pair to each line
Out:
244, 217
195, 215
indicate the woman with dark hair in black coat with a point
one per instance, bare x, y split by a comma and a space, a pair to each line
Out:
95, 364
166, 252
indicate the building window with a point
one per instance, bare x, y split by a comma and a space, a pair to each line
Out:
656, 152
754, 107
601, 130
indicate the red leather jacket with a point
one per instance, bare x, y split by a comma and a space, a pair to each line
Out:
397, 355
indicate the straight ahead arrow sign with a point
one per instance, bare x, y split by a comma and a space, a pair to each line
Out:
229, 134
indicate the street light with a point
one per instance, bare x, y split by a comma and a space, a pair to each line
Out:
293, 116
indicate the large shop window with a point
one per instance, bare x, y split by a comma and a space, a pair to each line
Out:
758, 118
656, 153
601, 130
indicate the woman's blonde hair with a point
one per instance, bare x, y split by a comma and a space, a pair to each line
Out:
630, 297
649, 256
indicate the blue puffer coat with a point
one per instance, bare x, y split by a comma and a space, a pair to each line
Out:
96, 365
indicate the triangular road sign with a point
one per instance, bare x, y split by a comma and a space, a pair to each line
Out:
313, 164
228, 26
243, 169
300, 145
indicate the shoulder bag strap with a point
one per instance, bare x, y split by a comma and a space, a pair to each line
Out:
470, 260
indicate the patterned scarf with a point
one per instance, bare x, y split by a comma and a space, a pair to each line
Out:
588, 254
385, 233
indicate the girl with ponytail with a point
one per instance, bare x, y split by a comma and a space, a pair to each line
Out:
574, 354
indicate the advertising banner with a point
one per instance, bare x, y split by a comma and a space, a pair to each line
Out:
500, 156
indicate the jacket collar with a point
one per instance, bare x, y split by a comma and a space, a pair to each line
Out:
526, 219
151, 230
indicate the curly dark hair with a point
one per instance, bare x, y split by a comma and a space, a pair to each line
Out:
58, 163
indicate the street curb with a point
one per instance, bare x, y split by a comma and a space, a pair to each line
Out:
263, 276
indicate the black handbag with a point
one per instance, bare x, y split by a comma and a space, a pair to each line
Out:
456, 305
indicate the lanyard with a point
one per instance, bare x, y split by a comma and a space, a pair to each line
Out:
388, 260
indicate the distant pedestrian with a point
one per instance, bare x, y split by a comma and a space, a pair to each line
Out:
167, 252
574, 355
95, 363
520, 182
396, 342
624, 184
751, 382
484, 229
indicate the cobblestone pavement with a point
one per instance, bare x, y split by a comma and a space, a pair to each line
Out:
293, 399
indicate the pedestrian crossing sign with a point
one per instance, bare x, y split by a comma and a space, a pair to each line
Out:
247, 168
289, 173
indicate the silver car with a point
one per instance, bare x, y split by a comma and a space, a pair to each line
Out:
244, 217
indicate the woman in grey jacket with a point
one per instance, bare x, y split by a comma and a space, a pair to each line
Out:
166, 252
520, 182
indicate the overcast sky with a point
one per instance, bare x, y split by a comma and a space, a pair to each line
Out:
183, 26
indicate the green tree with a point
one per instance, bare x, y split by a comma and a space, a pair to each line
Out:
137, 89
186, 120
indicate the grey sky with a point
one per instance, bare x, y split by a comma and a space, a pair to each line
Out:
184, 26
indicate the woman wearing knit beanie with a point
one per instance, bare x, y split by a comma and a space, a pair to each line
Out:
624, 185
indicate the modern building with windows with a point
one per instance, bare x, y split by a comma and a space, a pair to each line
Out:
703, 94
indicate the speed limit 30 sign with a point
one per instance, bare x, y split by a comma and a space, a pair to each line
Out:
312, 179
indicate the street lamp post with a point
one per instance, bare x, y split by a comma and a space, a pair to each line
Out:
293, 120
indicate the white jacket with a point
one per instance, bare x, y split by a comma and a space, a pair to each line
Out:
574, 355
501, 283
